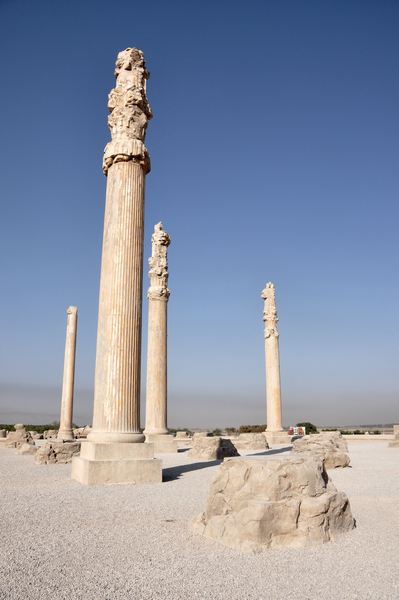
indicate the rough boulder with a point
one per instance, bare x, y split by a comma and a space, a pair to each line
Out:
329, 446
255, 504
57, 452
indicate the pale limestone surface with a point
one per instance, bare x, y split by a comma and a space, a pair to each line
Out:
27, 449
112, 463
211, 448
257, 504
116, 418
125, 542
57, 452
329, 446
272, 360
250, 441
156, 391
65, 431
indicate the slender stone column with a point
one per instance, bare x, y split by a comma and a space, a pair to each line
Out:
65, 431
274, 430
158, 295
116, 420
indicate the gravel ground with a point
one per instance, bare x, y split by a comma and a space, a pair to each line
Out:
60, 540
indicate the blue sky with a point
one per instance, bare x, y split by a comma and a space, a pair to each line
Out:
274, 150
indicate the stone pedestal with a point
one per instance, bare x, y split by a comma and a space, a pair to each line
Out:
274, 431
116, 463
65, 431
114, 453
276, 438
163, 443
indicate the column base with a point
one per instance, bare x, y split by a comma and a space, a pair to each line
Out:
163, 443
108, 463
274, 438
65, 435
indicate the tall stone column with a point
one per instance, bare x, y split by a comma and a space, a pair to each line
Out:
274, 431
156, 430
65, 431
113, 453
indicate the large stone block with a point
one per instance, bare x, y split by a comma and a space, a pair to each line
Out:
329, 446
108, 463
251, 441
211, 448
255, 504
57, 452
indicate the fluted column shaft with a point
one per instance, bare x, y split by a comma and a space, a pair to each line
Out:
117, 378
156, 398
272, 360
65, 431
273, 389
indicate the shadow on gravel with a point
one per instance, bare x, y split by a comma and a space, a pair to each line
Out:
269, 452
172, 473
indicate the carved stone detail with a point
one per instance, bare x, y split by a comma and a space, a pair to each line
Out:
270, 312
129, 111
158, 263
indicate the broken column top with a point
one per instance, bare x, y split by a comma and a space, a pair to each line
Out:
158, 263
270, 312
129, 111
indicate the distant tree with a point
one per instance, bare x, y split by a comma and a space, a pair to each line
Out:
252, 428
309, 427
231, 430
216, 432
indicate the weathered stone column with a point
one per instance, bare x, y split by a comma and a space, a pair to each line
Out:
109, 456
65, 431
156, 430
274, 430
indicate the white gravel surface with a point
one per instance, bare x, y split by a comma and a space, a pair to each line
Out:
60, 540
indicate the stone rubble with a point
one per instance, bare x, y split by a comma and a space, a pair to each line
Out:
330, 446
57, 452
254, 504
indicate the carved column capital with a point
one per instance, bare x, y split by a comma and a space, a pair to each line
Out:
158, 263
270, 317
129, 111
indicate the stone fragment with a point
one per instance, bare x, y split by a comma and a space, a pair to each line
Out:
200, 434
211, 448
35, 435
81, 432
15, 438
3, 433
182, 436
330, 446
49, 434
27, 449
254, 504
57, 452
251, 441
